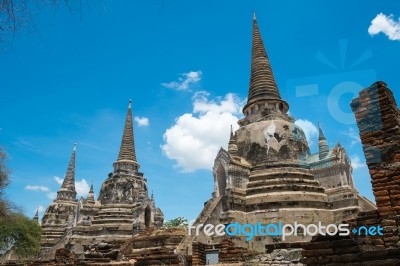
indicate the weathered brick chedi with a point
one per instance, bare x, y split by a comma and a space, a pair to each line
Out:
123, 207
268, 174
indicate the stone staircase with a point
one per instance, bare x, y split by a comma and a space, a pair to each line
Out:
185, 247
51, 236
58, 240
114, 219
113, 216
155, 247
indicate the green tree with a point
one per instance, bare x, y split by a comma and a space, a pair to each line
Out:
177, 222
17, 231
4, 181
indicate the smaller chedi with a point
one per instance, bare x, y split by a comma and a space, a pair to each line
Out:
122, 209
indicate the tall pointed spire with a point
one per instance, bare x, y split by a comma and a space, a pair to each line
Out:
262, 86
127, 150
322, 144
91, 188
90, 197
36, 217
127, 156
321, 133
232, 146
262, 81
67, 190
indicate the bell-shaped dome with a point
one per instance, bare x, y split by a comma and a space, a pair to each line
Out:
272, 141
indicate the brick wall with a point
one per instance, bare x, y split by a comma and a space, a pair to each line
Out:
199, 253
378, 119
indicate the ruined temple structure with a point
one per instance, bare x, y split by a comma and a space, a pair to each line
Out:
60, 215
268, 174
122, 209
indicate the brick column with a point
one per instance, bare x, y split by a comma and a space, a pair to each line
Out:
378, 119
198, 254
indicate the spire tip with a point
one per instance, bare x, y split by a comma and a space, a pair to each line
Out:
254, 16
127, 149
321, 133
262, 85
74, 149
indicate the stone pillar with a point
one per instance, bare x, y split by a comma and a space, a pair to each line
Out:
378, 119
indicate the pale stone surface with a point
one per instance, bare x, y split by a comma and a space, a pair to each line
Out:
269, 175
123, 208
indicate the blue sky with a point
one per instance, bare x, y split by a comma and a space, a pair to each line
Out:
185, 65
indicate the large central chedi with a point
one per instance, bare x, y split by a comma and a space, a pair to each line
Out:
269, 175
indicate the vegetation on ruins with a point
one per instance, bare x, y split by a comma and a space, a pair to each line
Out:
17, 231
177, 222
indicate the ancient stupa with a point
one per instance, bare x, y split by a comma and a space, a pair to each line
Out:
122, 209
269, 175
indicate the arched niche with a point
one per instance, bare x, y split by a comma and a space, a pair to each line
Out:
221, 179
147, 216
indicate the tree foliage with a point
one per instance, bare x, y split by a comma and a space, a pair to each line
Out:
4, 171
19, 14
13, 15
20, 233
16, 230
177, 222
4, 181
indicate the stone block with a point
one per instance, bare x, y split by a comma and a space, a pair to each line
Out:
347, 258
347, 250
374, 253
317, 252
384, 262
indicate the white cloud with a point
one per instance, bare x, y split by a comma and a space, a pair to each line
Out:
81, 187
195, 138
37, 188
142, 121
386, 25
310, 130
356, 162
51, 195
184, 81
59, 180
353, 136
